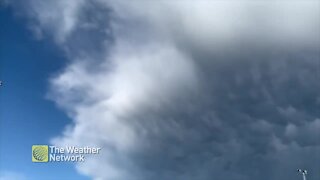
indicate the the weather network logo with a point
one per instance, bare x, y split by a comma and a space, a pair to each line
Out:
45, 153
39, 153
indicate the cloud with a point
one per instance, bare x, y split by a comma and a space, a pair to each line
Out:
9, 175
189, 89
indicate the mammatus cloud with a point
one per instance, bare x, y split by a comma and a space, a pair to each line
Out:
189, 89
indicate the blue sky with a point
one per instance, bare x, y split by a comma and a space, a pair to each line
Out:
27, 117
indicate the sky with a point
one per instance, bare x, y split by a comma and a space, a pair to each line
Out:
201, 90
27, 117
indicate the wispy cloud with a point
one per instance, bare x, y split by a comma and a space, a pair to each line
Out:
10, 175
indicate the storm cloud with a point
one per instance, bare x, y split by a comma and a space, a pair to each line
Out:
188, 89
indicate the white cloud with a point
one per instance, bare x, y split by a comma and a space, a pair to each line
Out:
102, 102
9, 175
220, 23
205, 23
58, 17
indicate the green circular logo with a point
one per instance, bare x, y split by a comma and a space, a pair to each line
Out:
40, 153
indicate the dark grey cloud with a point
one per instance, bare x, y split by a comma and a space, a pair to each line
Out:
252, 119
190, 90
